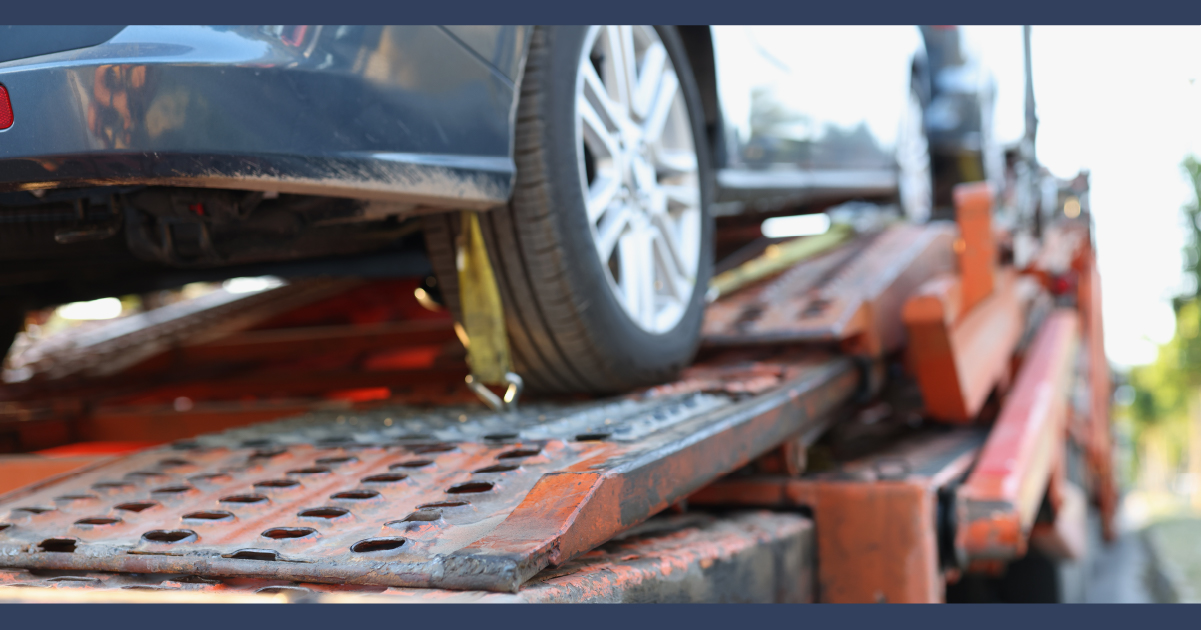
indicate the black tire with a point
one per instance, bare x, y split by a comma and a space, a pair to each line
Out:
932, 180
567, 330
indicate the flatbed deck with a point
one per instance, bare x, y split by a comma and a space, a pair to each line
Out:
318, 455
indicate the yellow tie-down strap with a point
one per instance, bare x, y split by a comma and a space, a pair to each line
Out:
483, 324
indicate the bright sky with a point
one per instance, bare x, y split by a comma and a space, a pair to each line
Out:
1125, 103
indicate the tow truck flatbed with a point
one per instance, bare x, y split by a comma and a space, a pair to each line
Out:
374, 468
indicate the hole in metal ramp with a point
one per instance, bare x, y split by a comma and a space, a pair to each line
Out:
169, 536
377, 544
58, 545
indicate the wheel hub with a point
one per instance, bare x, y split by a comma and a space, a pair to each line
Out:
638, 168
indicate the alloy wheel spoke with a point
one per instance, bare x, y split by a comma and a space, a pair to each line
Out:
671, 162
656, 118
674, 277
644, 174
610, 231
610, 113
654, 62
637, 270
681, 195
656, 202
601, 194
617, 68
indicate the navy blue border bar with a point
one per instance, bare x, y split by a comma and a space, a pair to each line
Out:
627, 617
579, 12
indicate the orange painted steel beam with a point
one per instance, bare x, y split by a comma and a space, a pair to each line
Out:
876, 519
1099, 444
960, 355
976, 249
877, 541
997, 505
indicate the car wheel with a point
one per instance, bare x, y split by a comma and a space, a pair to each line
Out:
915, 173
604, 254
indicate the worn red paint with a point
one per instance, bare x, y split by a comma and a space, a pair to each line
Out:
997, 504
960, 356
637, 568
877, 539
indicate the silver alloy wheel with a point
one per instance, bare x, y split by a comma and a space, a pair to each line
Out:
913, 162
638, 165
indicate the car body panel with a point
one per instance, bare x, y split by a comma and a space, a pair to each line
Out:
503, 47
398, 113
408, 119
422, 115
30, 40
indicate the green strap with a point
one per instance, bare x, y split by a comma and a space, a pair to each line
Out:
483, 314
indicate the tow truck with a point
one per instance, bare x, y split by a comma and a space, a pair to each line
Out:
894, 413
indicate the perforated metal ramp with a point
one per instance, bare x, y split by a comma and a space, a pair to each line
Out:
453, 498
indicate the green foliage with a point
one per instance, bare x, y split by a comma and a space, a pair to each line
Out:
1192, 221
1166, 391
1161, 388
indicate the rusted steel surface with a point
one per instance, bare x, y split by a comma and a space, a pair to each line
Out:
877, 518
180, 418
358, 344
332, 344
997, 505
775, 258
854, 292
285, 343
743, 557
426, 385
114, 346
960, 356
349, 497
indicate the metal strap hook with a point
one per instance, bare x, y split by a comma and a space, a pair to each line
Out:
505, 403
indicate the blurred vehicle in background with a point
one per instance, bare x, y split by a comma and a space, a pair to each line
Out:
960, 118
817, 115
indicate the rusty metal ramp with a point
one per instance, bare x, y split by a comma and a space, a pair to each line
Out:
110, 347
453, 498
853, 291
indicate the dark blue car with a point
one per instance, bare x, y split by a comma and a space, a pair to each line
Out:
140, 157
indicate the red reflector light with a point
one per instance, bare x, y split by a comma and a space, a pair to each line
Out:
6, 109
